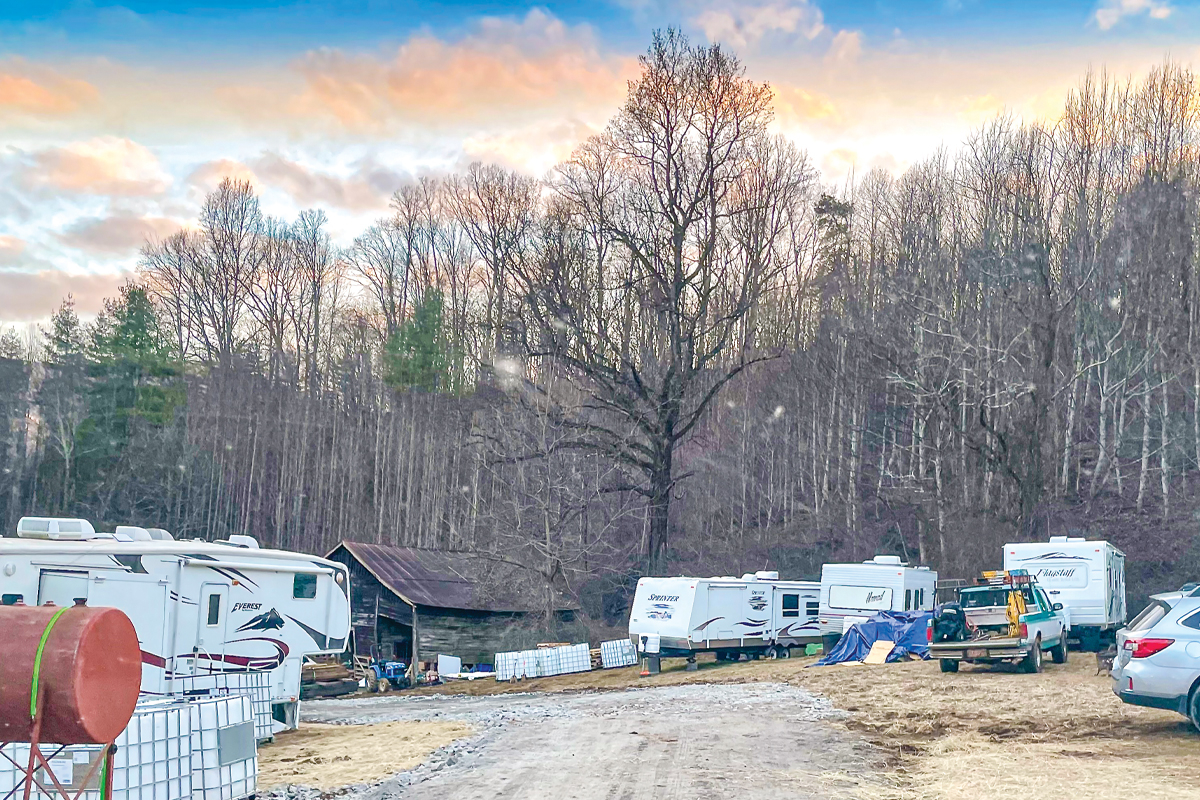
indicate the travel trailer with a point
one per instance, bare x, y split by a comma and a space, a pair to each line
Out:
200, 608
756, 614
1088, 578
852, 593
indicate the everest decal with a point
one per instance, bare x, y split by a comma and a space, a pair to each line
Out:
267, 621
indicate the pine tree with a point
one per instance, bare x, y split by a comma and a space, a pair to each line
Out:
416, 354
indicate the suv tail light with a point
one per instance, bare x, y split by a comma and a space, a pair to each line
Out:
1024, 631
1144, 648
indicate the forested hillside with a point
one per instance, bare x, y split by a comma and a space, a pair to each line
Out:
680, 352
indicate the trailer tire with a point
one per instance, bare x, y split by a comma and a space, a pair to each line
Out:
1033, 662
1059, 651
949, 665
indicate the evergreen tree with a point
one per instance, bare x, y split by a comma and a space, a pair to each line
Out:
65, 339
415, 357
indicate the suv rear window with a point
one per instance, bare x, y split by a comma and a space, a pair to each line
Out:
1150, 616
1191, 621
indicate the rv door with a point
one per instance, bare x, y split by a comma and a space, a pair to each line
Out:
210, 635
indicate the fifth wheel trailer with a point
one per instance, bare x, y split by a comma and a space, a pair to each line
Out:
757, 614
852, 593
1088, 578
199, 608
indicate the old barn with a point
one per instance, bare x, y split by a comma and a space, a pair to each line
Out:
447, 602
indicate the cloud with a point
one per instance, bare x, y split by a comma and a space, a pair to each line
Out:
107, 165
30, 90
504, 70
794, 107
534, 149
846, 47
742, 24
208, 176
367, 188
118, 235
1110, 12
32, 296
10, 249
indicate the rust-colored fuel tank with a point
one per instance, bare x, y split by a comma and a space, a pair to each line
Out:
91, 671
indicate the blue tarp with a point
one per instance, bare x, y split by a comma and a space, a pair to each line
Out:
906, 628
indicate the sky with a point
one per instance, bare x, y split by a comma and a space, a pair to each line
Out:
116, 119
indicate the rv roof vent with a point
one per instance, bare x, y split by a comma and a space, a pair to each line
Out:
1057, 539
134, 533
891, 561
749, 576
1077, 539
240, 540
160, 535
767, 575
54, 528
122, 537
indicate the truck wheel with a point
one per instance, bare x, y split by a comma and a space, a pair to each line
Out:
1059, 651
949, 665
1033, 661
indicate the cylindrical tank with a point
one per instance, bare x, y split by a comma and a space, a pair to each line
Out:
90, 675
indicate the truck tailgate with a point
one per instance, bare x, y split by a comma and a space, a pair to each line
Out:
1007, 647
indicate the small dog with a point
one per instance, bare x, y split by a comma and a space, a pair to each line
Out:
1105, 659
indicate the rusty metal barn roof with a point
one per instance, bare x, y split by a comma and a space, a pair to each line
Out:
435, 578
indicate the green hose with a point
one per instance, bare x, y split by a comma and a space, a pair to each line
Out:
37, 662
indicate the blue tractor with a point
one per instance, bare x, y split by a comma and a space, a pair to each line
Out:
385, 675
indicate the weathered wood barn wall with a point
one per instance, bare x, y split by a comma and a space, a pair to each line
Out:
396, 589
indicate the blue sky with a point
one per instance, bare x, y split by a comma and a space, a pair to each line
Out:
115, 119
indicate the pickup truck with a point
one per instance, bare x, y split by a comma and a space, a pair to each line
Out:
1001, 628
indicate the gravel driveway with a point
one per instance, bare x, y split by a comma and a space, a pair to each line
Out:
694, 741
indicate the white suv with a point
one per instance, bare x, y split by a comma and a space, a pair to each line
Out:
1158, 658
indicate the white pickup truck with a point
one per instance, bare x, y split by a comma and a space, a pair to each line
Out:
1001, 628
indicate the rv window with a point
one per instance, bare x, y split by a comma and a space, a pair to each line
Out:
11, 599
304, 586
791, 605
813, 608
908, 599
214, 610
919, 593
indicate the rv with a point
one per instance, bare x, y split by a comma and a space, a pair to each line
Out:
1088, 578
852, 593
199, 608
757, 614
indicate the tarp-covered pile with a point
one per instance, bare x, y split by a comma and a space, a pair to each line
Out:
907, 629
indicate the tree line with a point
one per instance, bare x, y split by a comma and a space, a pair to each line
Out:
679, 352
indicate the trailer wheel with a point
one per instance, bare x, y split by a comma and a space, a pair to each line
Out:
949, 665
784, 651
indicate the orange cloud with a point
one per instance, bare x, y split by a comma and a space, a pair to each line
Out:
31, 296
53, 96
369, 187
209, 175
534, 150
795, 106
10, 249
505, 69
117, 235
107, 165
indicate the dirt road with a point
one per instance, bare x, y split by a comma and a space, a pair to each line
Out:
760, 739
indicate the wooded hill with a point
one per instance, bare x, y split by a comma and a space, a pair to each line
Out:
679, 353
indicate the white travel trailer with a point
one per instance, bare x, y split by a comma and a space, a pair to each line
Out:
199, 608
852, 593
1088, 578
756, 614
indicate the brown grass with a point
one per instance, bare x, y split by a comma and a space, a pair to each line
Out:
329, 756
